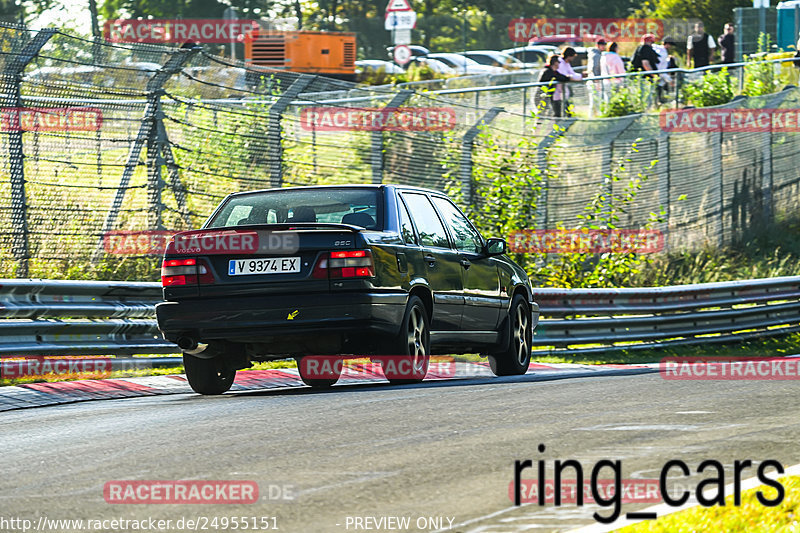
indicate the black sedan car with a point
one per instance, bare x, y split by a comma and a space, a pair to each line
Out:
373, 270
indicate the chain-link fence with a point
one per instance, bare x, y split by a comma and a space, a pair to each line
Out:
104, 141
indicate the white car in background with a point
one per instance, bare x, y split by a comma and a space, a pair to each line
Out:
532, 56
364, 66
465, 66
493, 58
439, 67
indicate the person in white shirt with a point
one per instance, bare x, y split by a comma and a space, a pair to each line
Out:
665, 61
568, 55
611, 64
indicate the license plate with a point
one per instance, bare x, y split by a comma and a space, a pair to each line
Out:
273, 265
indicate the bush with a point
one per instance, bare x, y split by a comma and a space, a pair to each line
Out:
759, 78
627, 99
714, 88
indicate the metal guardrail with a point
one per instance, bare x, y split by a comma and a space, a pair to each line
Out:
45, 317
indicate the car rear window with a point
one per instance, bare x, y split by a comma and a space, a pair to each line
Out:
357, 207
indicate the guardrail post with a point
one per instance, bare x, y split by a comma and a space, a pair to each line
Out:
16, 155
274, 130
155, 89
465, 168
376, 150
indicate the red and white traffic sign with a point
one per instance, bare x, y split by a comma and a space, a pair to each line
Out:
398, 5
402, 54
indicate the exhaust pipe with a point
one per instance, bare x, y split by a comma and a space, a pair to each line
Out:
190, 346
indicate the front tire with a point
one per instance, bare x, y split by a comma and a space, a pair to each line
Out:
413, 345
516, 359
208, 376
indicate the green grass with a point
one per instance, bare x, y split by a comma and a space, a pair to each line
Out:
769, 347
750, 516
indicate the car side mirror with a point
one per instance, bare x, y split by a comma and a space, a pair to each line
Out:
495, 247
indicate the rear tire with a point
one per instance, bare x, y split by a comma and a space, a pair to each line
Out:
413, 341
334, 367
516, 358
208, 376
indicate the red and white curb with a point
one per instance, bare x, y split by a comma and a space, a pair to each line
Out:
53, 393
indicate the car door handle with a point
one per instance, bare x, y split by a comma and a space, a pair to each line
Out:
430, 258
465, 263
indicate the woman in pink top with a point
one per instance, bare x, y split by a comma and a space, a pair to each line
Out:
611, 64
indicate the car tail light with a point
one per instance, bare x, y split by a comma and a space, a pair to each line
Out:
344, 264
185, 272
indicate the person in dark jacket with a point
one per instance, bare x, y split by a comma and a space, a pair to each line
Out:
699, 47
727, 44
645, 57
550, 74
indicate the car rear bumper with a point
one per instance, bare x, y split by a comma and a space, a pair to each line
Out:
252, 318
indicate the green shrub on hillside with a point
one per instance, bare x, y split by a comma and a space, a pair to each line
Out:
714, 88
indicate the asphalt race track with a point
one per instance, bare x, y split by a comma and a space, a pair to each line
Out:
439, 453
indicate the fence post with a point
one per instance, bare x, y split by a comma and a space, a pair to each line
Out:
607, 160
155, 89
465, 168
716, 170
664, 182
16, 155
559, 129
274, 130
376, 149
767, 181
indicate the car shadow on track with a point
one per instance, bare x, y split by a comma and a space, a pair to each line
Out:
439, 383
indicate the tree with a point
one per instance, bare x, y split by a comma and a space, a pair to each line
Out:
713, 13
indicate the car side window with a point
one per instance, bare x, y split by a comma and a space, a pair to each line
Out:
406, 229
467, 239
430, 228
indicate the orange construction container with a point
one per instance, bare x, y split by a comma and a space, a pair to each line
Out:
312, 52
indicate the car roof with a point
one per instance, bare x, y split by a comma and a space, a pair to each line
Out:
347, 186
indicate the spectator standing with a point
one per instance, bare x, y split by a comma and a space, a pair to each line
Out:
594, 56
568, 55
665, 61
727, 44
699, 47
611, 64
550, 74
645, 58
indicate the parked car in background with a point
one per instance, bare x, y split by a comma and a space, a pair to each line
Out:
494, 58
416, 51
328, 270
531, 56
578, 42
435, 65
365, 66
465, 66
